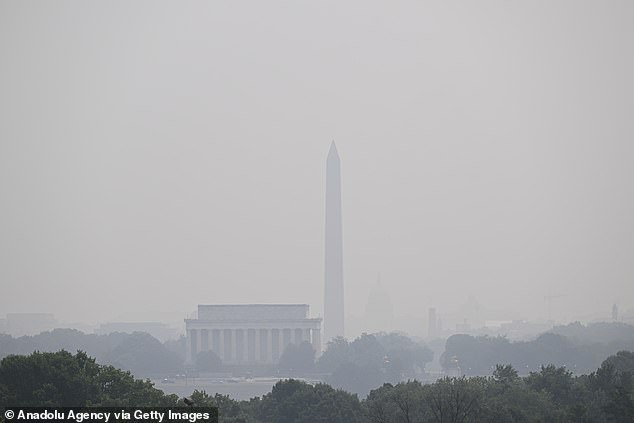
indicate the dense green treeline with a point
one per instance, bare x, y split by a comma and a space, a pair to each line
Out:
552, 394
579, 348
138, 352
64, 379
368, 361
598, 333
357, 365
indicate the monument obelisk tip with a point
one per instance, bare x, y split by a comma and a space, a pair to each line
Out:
333, 149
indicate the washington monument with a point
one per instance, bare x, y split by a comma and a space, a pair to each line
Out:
333, 275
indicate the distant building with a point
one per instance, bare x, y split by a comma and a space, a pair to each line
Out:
520, 329
627, 316
432, 324
160, 331
472, 312
615, 313
463, 327
250, 334
21, 324
379, 315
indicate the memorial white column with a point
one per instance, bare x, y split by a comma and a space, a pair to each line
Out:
212, 343
280, 338
199, 340
317, 341
204, 339
269, 345
245, 345
257, 346
234, 346
221, 345
188, 347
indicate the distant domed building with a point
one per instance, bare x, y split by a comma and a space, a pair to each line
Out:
379, 314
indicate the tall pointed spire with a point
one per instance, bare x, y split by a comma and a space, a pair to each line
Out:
333, 274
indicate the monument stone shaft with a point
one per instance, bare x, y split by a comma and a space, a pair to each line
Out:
333, 275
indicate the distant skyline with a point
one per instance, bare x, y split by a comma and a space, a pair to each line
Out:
156, 155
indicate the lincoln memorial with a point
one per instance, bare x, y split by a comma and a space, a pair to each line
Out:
250, 333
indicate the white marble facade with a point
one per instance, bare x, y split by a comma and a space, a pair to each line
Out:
251, 334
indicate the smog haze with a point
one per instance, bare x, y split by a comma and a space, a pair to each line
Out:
155, 156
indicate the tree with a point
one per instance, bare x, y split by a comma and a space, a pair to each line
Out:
620, 404
567, 347
63, 379
623, 361
515, 402
401, 403
338, 352
355, 378
48, 379
505, 374
229, 410
208, 361
143, 355
116, 388
557, 381
408, 400
405, 357
368, 351
292, 401
300, 358
614, 381
371, 360
138, 352
379, 405
456, 400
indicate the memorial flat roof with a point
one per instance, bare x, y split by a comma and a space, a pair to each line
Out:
251, 305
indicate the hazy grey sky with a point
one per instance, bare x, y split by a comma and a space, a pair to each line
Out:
158, 155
